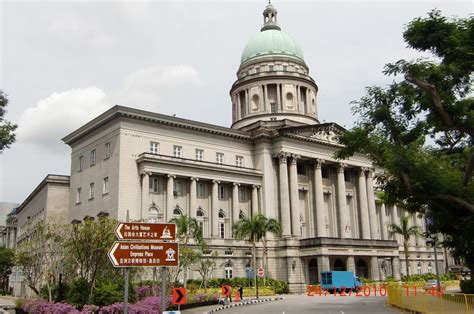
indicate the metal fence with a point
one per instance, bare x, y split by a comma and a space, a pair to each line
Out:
421, 301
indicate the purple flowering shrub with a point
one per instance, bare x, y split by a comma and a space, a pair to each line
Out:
147, 291
43, 306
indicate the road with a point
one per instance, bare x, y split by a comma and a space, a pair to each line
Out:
300, 304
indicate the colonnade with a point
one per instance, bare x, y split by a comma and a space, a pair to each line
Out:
213, 216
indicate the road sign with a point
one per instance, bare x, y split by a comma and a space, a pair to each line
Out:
143, 254
249, 272
261, 272
145, 231
179, 295
225, 290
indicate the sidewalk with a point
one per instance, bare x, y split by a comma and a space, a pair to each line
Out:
7, 304
245, 302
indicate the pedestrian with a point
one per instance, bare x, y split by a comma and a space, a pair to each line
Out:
241, 292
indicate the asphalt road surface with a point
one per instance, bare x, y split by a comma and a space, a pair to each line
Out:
300, 304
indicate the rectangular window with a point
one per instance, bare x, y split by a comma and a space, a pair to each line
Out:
154, 147
229, 253
81, 163
199, 154
93, 155
105, 188
273, 107
177, 151
220, 158
325, 173
78, 196
221, 192
241, 194
91, 190
239, 161
200, 190
207, 252
222, 230
153, 184
228, 272
177, 188
107, 150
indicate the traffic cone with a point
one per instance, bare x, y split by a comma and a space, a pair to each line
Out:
237, 297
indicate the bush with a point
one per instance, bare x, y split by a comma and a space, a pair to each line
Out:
467, 286
78, 292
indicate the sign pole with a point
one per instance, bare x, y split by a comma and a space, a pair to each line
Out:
164, 275
125, 304
125, 293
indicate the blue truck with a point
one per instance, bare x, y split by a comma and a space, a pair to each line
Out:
334, 280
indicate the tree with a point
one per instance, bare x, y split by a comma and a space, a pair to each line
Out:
406, 231
205, 266
7, 135
254, 229
6, 263
87, 251
419, 129
187, 228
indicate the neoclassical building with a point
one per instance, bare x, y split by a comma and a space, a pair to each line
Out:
275, 159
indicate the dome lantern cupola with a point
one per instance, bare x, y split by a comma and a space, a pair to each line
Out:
273, 81
270, 18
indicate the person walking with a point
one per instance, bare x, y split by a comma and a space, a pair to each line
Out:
241, 292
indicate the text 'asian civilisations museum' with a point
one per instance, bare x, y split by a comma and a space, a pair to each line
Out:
276, 159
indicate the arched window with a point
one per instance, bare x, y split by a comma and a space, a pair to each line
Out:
241, 214
221, 222
430, 268
228, 269
221, 214
154, 214
177, 211
339, 265
418, 268
200, 213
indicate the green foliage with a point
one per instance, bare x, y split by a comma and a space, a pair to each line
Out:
108, 292
420, 129
279, 286
7, 135
467, 286
78, 292
6, 262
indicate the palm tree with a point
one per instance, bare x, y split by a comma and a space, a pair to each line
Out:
187, 228
406, 231
254, 229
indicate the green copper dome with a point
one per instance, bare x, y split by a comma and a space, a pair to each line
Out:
271, 42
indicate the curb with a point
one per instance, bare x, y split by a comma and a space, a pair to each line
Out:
256, 301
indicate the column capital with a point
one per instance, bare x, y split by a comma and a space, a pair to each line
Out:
362, 171
370, 172
318, 162
256, 186
340, 167
145, 173
216, 181
194, 179
294, 158
282, 156
171, 176
236, 184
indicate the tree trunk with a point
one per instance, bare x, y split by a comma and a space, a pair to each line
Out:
405, 247
264, 262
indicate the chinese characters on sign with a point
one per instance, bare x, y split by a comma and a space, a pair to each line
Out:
145, 231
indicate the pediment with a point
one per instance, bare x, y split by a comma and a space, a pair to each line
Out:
327, 132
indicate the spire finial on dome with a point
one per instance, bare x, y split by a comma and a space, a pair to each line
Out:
270, 18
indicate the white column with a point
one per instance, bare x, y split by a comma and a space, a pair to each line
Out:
294, 198
145, 194
371, 199
279, 103
255, 200
235, 204
214, 217
239, 113
374, 268
383, 220
364, 210
192, 198
284, 196
168, 212
351, 264
395, 220
344, 219
396, 268
319, 196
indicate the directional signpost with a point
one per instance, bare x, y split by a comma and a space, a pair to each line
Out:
144, 254
146, 245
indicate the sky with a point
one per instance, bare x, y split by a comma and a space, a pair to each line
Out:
62, 63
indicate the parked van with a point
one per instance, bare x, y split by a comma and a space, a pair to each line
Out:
331, 280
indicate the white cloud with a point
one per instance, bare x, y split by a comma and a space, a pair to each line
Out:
60, 113
145, 88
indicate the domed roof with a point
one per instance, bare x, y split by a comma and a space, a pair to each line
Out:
271, 42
